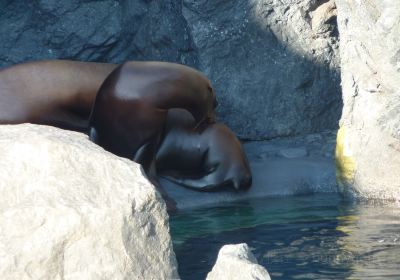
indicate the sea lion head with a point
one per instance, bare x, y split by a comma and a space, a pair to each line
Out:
208, 111
204, 104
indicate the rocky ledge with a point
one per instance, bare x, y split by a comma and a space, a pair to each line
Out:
282, 166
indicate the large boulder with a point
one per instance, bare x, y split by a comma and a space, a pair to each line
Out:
237, 262
368, 143
70, 210
274, 63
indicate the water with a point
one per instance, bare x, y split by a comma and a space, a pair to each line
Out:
303, 237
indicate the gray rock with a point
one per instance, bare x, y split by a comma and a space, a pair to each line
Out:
109, 31
70, 210
275, 74
368, 149
237, 262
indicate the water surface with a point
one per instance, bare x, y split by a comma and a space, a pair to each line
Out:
298, 237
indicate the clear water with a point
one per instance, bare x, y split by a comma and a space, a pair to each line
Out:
303, 237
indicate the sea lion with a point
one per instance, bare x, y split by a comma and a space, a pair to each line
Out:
60, 93
205, 159
131, 106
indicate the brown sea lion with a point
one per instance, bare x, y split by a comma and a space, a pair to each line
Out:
60, 93
201, 159
131, 106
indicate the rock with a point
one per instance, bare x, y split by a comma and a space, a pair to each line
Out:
324, 18
70, 210
368, 143
274, 74
107, 31
237, 262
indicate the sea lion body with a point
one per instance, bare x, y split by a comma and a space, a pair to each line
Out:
202, 159
60, 93
132, 104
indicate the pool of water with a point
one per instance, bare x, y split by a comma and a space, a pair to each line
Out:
299, 237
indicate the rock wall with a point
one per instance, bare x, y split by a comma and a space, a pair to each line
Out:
368, 144
274, 64
274, 72
107, 31
70, 210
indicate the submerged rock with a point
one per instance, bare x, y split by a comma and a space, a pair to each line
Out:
237, 262
70, 210
368, 143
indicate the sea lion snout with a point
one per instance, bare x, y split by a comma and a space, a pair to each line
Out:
242, 182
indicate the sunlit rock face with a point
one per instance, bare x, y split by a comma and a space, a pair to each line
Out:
368, 150
70, 210
237, 262
274, 63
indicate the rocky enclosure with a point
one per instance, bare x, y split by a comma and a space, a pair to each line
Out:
368, 150
274, 64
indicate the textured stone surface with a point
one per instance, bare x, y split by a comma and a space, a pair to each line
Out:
274, 63
237, 262
70, 210
368, 151
274, 75
107, 31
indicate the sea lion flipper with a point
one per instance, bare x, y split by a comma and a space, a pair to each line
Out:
93, 135
207, 182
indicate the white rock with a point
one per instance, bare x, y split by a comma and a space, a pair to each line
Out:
237, 262
368, 150
70, 210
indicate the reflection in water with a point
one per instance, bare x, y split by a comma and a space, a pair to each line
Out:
306, 237
372, 240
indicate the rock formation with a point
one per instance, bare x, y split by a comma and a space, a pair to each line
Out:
70, 210
274, 63
368, 143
